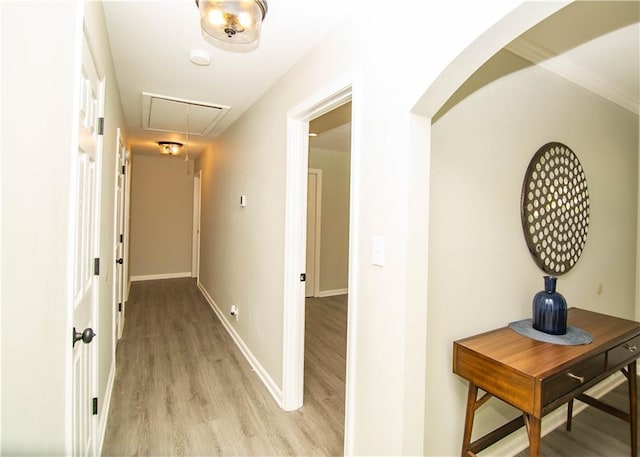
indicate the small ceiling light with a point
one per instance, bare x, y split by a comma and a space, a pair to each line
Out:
170, 148
233, 25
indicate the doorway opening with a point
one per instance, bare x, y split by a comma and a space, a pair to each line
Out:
327, 265
328, 181
295, 246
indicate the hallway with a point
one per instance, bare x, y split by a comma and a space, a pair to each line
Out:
182, 387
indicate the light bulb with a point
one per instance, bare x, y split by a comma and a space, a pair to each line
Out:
216, 17
245, 19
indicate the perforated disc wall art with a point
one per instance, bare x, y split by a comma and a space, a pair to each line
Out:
554, 208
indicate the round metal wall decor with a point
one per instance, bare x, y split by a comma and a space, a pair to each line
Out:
554, 208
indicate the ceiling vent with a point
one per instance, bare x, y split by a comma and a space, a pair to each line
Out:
168, 114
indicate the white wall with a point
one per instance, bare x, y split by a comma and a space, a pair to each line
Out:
161, 216
36, 148
39, 76
481, 275
334, 237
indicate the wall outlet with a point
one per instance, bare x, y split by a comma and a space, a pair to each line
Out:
234, 311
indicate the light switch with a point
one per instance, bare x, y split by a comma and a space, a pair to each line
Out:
377, 250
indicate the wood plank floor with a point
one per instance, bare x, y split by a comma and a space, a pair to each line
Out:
183, 388
593, 433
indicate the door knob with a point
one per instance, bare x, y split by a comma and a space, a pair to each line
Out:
86, 336
120, 261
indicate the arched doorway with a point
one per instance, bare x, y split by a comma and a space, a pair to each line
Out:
474, 229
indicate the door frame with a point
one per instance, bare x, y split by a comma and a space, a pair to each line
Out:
119, 228
336, 94
197, 207
318, 231
127, 221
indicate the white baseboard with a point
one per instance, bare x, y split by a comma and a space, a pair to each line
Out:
518, 441
331, 293
104, 407
186, 274
266, 379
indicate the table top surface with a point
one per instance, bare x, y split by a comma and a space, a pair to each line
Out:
536, 358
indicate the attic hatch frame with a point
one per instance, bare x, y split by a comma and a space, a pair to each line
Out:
147, 110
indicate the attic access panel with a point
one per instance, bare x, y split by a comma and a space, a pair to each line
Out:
167, 114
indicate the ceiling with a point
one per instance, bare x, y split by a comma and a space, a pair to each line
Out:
594, 44
335, 139
151, 42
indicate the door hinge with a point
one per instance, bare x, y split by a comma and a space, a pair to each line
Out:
123, 170
96, 266
121, 238
95, 405
101, 126
303, 277
120, 307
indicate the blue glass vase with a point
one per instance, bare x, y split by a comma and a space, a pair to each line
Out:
550, 309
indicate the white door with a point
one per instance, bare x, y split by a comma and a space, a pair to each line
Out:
195, 249
85, 281
314, 192
121, 182
127, 231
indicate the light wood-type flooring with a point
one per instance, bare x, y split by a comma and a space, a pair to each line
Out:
593, 432
183, 388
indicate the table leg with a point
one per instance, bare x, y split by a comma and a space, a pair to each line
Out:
633, 407
468, 421
569, 414
535, 427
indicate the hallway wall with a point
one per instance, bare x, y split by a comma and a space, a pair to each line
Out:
35, 206
161, 217
39, 78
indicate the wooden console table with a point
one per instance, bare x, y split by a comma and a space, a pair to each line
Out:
537, 377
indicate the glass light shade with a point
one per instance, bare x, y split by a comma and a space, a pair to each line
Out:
170, 148
233, 25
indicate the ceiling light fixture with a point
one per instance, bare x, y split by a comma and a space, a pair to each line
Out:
170, 148
173, 148
233, 25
